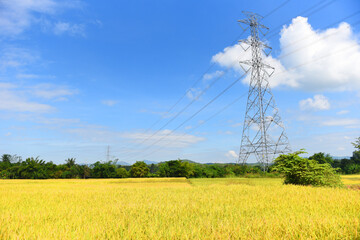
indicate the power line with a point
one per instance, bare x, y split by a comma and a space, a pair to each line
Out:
239, 79
302, 13
197, 112
202, 76
172, 119
223, 109
200, 124
277, 8
186, 107
327, 26
318, 40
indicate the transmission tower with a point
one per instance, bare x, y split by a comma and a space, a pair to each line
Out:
264, 133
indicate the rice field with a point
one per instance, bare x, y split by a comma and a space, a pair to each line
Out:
176, 208
351, 179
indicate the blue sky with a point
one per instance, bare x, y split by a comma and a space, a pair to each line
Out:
78, 76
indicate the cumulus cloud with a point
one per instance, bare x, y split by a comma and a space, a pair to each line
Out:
311, 60
231, 154
176, 140
319, 102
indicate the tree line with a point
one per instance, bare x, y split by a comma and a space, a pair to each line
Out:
13, 167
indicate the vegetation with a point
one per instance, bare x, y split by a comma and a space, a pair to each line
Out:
13, 167
176, 208
303, 171
139, 169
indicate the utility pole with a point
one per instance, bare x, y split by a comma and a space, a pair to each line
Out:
263, 131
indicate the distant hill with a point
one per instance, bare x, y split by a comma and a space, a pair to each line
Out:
148, 162
187, 160
340, 157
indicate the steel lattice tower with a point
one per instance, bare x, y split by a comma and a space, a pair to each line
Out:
263, 132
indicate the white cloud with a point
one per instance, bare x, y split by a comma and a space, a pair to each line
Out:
319, 102
50, 91
16, 16
231, 154
302, 69
237, 124
347, 122
216, 74
32, 76
175, 140
193, 93
342, 112
109, 103
73, 29
10, 101
19, 98
13, 57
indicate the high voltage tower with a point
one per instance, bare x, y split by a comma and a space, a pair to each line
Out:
264, 133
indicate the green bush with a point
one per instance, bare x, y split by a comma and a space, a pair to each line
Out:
303, 171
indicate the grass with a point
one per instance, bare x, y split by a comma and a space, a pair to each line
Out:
176, 208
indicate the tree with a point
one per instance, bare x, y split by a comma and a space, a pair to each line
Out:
175, 168
122, 173
322, 158
303, 171
33, 168
84, 171
139, 169
357, 144
356, 154
104, 170
70, 162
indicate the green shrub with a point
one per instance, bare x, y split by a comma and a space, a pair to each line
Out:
303, 171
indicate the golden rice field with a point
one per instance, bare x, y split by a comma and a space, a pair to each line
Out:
176, 208
351, 179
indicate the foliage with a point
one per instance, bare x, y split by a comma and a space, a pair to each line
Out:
13, 167
175, 168
104, 170
139, 169
122, 173
303, 171
356, 144
322, 158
